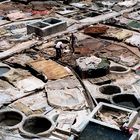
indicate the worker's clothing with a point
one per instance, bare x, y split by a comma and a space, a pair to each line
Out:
73, 40
58, 53
58, 48
59, 45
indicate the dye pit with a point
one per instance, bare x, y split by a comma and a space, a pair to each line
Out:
126, 100
95, 131
109, 89
118, 69
10, 118
4, 70
36, 125
112, 116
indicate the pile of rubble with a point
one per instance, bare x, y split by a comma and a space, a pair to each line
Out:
70, 70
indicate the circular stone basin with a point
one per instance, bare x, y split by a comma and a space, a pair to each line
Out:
118, 69
37, 125
3, 70
102, 100
126, 100
109, 89
10, 119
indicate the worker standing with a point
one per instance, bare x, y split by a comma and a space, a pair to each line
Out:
73, 41
58, 48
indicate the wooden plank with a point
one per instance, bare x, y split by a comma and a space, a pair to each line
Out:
17, 48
